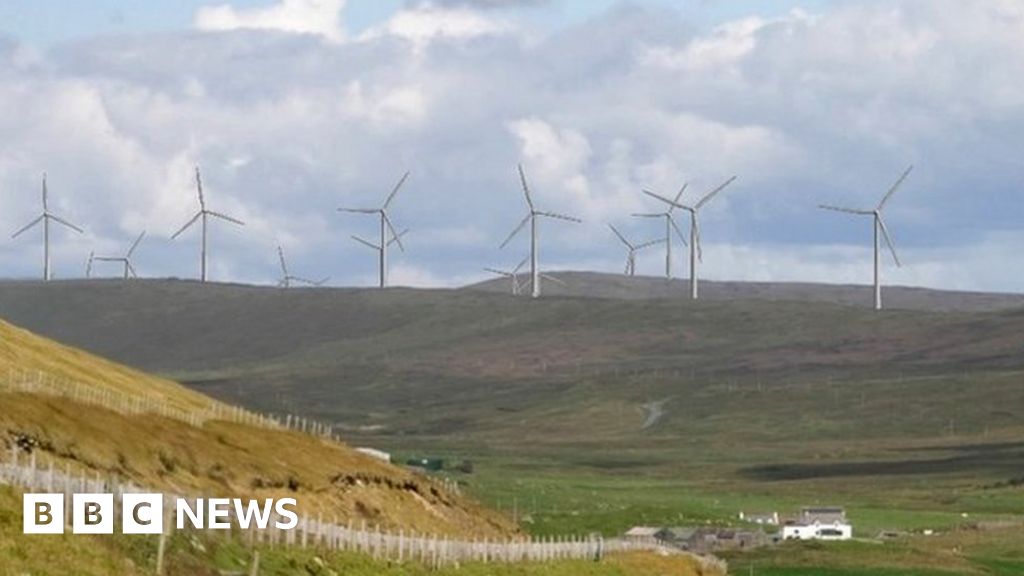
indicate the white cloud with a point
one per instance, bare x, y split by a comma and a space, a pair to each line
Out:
424, 24
319, 17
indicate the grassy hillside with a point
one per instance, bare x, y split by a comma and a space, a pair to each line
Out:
587, 413
598, 285
218, 458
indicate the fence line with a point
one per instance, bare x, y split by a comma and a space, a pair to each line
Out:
315, 533
39, 382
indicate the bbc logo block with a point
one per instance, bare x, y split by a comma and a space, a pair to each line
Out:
43, 514
145, 513
93, 514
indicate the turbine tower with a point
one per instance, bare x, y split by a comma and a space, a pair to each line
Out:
696, 250
531, 218
126, 260
670, 224
881, 231
204, 214
45, 218
386, 228
287, 279
631, 256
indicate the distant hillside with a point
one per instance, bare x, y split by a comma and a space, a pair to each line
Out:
442, 362
599, 285
217, 458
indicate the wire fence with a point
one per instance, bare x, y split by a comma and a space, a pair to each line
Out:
39, 382
313, 532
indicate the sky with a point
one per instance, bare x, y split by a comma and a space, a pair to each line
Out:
293, 108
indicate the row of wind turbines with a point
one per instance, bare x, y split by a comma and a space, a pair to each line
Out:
390, 236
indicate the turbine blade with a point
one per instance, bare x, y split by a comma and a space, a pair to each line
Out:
888, 241
135, 245
131, 269
323, 281
45, 194
679, 195
498, 272
88, 267
199, 189
560, 217
395, 190
895, 186
621, 237
186, 226
395, 236
671, 203
359, 210
526, 187
846, 210
651, 243
553, 279
516, 231
225, 217
520, 265
280, 256
697, 239
707, 198
28, 226
366, 242
60, 220
678, 231
648, 215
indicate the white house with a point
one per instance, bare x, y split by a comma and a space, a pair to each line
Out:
818, 524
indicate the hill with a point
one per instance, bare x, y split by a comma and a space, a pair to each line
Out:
602, 412
600, 285
218, 458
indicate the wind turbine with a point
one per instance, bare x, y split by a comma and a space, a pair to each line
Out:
45, 218
670, 224
696, 251
531, 218
385, 227
204, 215
881, 231
287, 279
126, 260
633, 249
512, 275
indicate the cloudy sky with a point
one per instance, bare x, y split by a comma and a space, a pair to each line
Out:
295, 107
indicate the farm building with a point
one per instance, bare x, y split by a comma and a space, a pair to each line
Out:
646, 534
828, 523
374, 453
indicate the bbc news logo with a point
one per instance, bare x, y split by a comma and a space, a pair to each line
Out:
144, 513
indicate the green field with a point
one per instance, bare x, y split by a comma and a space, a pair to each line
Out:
595, 414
